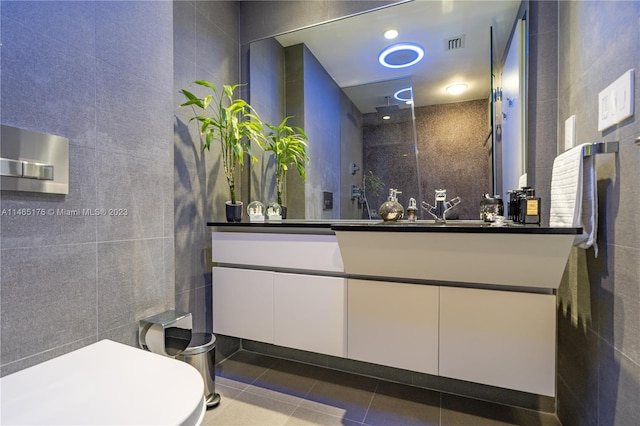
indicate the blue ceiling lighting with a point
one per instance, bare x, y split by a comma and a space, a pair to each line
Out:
401, 55
404, 95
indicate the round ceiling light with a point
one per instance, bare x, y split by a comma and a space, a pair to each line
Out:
390, 34
386, 117
456, 89
404, 95
401, 55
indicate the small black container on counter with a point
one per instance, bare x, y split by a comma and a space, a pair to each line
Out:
514, 204
524, 206
529, 209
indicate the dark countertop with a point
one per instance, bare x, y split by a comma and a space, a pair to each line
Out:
452, 226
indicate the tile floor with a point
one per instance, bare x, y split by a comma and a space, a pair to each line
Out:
258, 389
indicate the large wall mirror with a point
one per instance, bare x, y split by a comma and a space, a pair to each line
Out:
373, 126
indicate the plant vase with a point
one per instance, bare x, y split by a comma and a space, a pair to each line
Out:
234, 211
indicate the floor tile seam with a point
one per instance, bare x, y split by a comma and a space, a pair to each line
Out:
239, 388
324, 413
224, 405
301, 399
373, 394
248, 391
294, 410
311, 408
304, 398
326, 370
262, 374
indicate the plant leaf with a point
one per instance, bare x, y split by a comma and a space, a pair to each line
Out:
205, 83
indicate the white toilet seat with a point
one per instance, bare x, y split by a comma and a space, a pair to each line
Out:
105, 383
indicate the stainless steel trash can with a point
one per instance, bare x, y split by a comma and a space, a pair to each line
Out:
201, 353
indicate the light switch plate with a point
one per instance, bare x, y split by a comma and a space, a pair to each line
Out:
570, 133
623, 96
606, 111
616, 102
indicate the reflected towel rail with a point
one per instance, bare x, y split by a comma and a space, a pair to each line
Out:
600, 148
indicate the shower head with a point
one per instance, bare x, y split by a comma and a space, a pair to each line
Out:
386, 109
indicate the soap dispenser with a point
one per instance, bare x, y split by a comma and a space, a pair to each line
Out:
412, 210
391, 210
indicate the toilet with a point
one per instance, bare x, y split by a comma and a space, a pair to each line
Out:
104, 383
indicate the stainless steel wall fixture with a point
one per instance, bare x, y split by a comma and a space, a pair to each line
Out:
33, 162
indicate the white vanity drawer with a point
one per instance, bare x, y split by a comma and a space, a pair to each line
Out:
499, 338
394, 324
243, 303
305, 252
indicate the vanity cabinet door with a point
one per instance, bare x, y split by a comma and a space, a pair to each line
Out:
243, 303
393, 324
499, 338
310, 313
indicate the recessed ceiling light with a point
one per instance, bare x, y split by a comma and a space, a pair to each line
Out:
456, 89
386, 117
404, 95
390, 34
401, 55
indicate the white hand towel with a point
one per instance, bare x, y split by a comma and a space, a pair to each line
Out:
574, 196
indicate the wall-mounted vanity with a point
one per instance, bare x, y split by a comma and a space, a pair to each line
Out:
462, 300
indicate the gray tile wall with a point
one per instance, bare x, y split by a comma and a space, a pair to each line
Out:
206, 46
542, 102
599, 298
98, 73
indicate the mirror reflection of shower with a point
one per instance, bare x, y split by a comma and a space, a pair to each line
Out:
389, 153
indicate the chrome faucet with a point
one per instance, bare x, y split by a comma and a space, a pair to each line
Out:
439, 211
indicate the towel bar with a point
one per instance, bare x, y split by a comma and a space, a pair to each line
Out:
600, 148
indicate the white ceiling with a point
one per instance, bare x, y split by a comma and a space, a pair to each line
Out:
348, 48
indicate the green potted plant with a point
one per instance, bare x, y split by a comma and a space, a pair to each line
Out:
234, 124
289, 146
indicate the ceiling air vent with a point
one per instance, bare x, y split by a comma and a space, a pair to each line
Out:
454, 43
